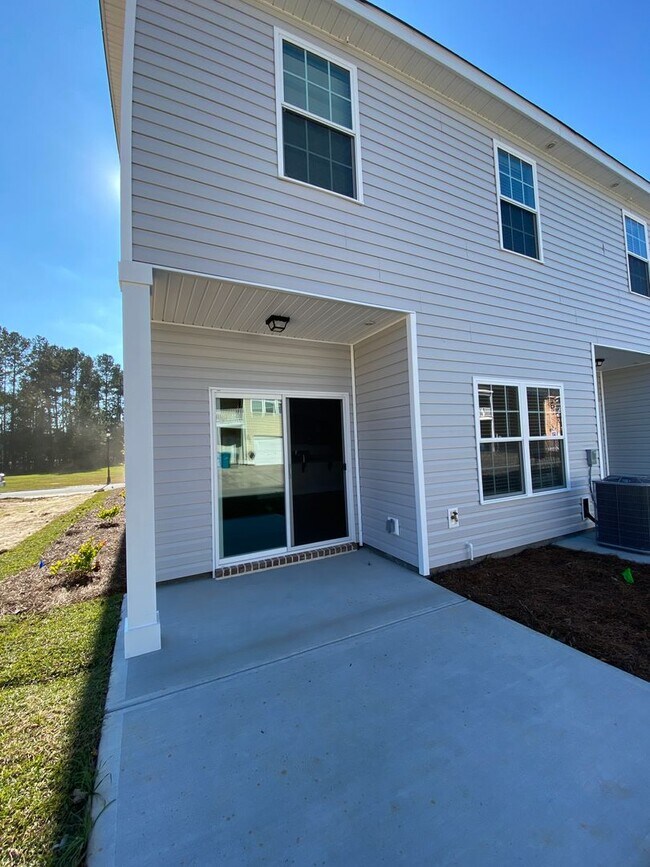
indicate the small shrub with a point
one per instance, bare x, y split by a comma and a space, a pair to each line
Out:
80, 563
109, 514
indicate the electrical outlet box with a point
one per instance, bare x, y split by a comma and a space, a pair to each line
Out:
392, 526
453, 517
592, 457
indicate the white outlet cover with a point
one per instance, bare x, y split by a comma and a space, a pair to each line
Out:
453, 517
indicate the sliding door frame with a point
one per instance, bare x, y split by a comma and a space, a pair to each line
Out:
353, 519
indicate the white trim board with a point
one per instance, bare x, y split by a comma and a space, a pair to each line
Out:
418, 452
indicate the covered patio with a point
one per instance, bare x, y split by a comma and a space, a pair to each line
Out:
262, 424
348, 711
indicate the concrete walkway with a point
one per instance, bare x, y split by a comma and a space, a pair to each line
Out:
348, 712
588, 541
59, 492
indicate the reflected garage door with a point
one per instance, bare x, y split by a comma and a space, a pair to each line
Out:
268, 451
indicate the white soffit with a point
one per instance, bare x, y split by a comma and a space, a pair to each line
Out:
617, 358
112, 18
185, 299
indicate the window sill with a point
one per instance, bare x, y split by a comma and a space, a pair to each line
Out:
327, 192
523, 256
489, 501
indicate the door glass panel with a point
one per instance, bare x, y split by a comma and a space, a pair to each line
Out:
250, 470
317, 470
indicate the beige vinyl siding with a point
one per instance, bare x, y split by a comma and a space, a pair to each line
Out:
187, 362
385, 446
207, 199
627, 408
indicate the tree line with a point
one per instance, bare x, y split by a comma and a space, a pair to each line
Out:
56, 407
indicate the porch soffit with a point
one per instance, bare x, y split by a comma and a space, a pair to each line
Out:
613, 358
185, 299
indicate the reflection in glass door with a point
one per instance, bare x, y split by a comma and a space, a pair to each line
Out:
250, 470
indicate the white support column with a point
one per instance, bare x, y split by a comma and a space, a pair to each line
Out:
142, 627
418, 451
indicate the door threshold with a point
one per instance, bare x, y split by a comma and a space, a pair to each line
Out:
283, 560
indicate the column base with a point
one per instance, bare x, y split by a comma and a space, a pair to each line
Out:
141, 639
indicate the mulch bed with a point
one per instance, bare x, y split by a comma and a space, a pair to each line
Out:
35, 589
578, 598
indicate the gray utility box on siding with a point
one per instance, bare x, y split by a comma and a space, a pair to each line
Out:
623, 504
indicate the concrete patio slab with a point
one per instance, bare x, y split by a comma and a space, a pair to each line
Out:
420, 729
587, 541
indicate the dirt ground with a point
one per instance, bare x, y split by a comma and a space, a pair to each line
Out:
35, 589
20, 518
578, 598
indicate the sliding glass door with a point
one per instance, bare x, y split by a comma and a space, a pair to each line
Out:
250, 475
280, 483
317, 470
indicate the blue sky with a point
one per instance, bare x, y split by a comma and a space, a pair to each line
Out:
583, 62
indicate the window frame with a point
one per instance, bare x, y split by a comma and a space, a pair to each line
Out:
643, 223
497, 146
280, 104
525, 439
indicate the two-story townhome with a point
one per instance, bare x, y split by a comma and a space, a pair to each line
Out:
371, 296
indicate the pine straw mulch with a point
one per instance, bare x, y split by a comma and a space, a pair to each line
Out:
575, 597
35, 590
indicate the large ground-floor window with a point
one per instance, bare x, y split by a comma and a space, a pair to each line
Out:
521, 439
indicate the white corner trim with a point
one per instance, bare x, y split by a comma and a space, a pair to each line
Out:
604, 467
416, 437
135, 272
141, 639
355, 437
126, 133
602, 456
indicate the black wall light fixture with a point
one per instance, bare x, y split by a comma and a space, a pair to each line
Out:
277, 323
600, 362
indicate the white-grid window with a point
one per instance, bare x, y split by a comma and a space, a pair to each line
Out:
521, 439
265, 407
518, 203
636, 245
318, 124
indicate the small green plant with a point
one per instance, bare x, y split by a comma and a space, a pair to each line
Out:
80, 563
110, 513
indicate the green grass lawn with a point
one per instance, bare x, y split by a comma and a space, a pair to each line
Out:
30, 550
54, 670
41, 481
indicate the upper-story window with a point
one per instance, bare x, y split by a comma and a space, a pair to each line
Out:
518, 203
318, 126
636, 244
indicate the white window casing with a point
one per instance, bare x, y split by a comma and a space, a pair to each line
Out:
519, 196
635, 231
522, 435
285, 105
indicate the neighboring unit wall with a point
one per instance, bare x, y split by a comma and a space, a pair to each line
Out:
187, 362
627, 409
385, 446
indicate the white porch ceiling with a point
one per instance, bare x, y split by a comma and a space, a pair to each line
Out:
615, 358
188, 300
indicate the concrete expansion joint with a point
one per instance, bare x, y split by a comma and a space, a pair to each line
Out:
158, 696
